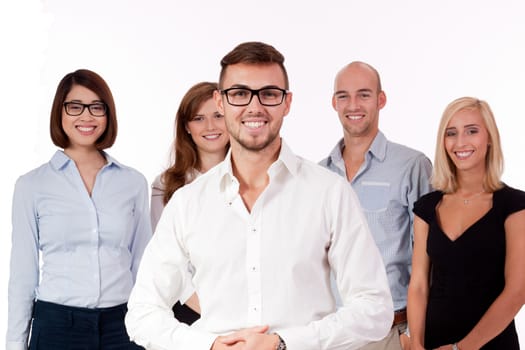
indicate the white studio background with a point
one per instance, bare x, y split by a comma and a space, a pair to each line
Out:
151, 52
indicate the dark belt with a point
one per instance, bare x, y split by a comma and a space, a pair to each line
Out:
400, 316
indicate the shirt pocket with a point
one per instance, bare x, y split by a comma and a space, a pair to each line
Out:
374, 195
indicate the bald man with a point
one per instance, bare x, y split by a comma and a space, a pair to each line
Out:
387, 177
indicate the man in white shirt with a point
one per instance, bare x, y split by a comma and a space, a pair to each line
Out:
263, 230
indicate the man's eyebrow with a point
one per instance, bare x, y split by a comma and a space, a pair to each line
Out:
239, 86
346, 92
242, 86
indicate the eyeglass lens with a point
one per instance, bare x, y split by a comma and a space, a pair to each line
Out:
75, 108
266, 96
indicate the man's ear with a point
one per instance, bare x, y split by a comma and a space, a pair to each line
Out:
334, 103
381, 100
288, 102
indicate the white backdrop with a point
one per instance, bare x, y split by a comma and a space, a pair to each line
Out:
151, 52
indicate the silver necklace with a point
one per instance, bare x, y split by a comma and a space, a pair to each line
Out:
466, 201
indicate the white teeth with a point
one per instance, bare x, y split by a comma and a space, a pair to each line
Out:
254, 125
355, 117
212, 137
86, 129
464, 154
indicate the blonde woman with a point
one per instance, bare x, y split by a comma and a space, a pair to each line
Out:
467, 280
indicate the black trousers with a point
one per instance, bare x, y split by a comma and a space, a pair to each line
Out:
60, 327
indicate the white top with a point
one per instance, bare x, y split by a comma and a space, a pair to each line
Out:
271, 266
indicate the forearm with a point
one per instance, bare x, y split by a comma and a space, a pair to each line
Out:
417, 306
508, 303
154, 327
20, 309
351, 327
193, 303
16, 345
23, 281
494, 321
160, 283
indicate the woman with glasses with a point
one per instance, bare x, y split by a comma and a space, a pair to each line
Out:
467, 282
80, 226
201, 142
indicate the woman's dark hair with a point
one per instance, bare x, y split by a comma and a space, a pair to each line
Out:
95, 83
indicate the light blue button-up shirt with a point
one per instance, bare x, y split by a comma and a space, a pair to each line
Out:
71, 248
391, 178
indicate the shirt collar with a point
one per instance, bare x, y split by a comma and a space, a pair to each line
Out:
377, 149
336, 156
286, 160
60, 160
378, 146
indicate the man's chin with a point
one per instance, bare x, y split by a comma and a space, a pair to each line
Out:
256, 145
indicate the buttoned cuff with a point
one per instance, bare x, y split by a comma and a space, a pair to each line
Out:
15, 345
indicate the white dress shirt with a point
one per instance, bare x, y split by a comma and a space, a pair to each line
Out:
156, 208
270, 266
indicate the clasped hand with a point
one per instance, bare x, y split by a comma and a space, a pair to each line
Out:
254, 338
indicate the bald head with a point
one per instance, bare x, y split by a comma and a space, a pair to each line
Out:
359, 68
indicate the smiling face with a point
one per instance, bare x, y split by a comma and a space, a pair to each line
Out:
253, 127
357, 100
85, 129
466, 140
208, 130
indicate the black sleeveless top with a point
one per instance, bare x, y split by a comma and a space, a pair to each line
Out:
467, 274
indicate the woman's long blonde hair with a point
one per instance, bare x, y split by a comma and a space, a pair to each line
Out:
444, 172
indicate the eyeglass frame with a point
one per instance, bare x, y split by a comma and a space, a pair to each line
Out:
84, 105
254, 92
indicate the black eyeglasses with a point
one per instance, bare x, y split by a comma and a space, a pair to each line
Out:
243, 96
76, 108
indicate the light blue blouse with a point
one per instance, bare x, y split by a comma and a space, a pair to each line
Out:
71, 248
